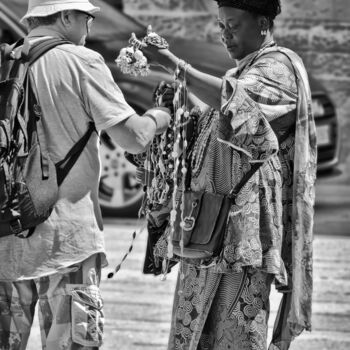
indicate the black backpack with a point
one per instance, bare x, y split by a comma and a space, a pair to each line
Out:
29, 180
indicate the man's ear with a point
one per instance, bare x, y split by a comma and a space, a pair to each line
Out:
66, 18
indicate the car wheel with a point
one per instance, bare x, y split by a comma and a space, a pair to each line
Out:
120, 195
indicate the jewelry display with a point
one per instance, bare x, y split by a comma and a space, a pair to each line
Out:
154, 39
131, 59
181, 70
165, 164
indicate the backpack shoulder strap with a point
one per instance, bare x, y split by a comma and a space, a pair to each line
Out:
65, 165
40, 48
22, 50
37, 50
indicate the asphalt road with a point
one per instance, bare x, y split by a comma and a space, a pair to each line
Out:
138, 307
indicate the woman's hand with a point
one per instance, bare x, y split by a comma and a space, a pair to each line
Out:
156, 56
156, 50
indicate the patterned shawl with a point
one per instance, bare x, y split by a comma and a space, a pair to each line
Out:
295, 309
294, 313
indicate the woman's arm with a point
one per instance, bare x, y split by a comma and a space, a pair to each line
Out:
205, 86
195, 101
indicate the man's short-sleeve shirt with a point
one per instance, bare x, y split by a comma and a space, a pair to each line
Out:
74, 87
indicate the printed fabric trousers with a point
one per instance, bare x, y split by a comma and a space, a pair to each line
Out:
70, 309
220, 311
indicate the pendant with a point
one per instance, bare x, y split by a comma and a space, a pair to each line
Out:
188, 223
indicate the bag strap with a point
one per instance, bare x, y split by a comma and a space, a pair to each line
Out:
65, 165
39, 48
29, 53
281, 138
255, 167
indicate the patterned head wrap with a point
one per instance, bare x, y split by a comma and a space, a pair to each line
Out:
269, 8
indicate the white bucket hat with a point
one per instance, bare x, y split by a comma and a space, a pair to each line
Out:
43, 8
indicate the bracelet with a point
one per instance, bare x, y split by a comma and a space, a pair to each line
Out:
164, 109
157, 115
181, 69
149, 115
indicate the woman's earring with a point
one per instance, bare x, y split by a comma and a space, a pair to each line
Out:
263, 32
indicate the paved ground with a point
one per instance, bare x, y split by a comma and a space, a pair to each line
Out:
138, 307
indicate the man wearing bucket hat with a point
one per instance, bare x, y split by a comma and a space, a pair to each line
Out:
59, 266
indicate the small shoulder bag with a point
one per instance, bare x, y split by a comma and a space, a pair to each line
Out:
199, 230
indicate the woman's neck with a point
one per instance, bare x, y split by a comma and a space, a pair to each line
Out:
267, 41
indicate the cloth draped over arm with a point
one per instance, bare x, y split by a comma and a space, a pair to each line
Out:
294, 314
254, 100
248, 131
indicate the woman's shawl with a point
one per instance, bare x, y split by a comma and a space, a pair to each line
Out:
295, 309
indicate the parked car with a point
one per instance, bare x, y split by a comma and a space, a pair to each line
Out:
120, 194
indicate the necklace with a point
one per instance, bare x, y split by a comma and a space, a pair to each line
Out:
202, 143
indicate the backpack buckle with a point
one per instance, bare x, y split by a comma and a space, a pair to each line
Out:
12, 55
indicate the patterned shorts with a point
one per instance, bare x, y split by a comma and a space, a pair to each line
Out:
70, 309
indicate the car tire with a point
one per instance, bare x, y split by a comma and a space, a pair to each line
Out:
125, 212
120, 195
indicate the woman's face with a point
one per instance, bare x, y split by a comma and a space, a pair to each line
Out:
240, 31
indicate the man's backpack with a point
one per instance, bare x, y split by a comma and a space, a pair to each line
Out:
29, 180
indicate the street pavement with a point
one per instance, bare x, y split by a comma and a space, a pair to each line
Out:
138, 307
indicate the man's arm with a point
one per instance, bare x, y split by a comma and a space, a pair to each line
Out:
205, 86
105, 103
135, 133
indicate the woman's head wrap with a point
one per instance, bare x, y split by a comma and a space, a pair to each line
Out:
268, 8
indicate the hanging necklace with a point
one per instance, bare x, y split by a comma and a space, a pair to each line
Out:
202, 143
166, 160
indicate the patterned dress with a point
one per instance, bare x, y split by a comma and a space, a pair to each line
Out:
226, 306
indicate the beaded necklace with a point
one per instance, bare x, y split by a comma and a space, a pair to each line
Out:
165, 163
202, 143
159, 172
179, 156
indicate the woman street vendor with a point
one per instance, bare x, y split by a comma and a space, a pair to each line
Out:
244, 116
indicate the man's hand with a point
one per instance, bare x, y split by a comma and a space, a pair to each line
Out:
163, 95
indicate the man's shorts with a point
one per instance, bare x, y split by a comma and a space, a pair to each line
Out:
70, 309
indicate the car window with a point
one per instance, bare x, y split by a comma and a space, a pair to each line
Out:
6, 35
7, 32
